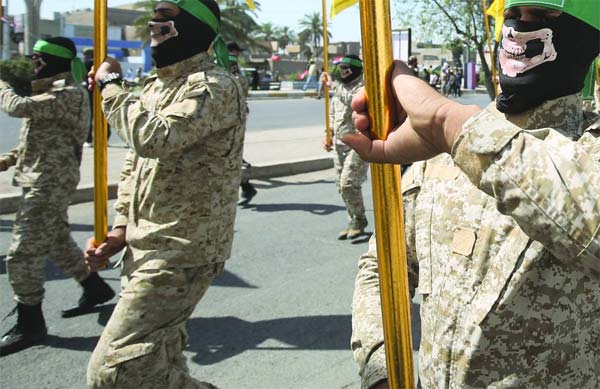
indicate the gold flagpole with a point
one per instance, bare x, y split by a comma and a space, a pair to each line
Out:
489, 42
387, 197
328, 139
100, 129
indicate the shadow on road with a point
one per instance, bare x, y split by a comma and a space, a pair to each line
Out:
216, 339
76, 343
316, 209
231, 280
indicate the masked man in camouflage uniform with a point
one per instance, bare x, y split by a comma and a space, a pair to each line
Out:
502, 220
248, 190
177, 196
47, 168
350, 170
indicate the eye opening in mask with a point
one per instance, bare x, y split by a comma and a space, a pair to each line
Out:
344, 67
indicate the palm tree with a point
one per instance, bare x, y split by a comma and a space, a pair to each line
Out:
266, 32
313, 29
237, 21
284, 36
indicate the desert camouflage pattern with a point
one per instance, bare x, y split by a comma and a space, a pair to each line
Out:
53, 119
47, 168
506, 239
177, 199
340, 109
350, 170
178, 188
350, 173
146, 350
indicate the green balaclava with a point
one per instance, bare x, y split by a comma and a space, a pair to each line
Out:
200, 11
55, 54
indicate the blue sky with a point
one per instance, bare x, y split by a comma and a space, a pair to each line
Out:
345, 27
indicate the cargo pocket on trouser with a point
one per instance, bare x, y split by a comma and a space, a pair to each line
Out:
140, 365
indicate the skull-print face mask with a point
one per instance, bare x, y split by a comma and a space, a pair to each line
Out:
541, 61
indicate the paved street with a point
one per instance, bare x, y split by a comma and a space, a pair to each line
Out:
279, 317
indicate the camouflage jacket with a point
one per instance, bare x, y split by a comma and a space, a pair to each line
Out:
340, 111
179, 184
56, 121
505, 234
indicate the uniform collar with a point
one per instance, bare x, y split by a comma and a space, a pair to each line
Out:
563, 114
194, 64
45, 84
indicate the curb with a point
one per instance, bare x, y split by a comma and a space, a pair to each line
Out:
9, 203
280, 95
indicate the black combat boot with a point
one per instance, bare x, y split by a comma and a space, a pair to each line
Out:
248, 192
95, 292
29, 330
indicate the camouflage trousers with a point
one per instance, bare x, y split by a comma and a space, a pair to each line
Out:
142, 344
350, 173
42, 229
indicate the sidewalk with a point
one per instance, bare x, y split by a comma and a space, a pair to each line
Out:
275, 153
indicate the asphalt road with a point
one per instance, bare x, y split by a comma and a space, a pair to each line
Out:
279, 317
264, 115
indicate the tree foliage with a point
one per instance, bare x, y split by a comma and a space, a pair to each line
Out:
454, 20
312, 31
18, 72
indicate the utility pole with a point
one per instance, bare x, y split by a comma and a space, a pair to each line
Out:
32, 24
5, 35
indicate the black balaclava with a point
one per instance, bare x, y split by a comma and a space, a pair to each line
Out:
356, 71
552, 59
190, 37
55, 65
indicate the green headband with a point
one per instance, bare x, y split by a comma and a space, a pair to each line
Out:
201, 12
78, 70
585, 10
353, 62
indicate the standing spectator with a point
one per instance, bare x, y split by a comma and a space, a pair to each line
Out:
311, 76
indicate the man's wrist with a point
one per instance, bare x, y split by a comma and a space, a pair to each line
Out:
450, 119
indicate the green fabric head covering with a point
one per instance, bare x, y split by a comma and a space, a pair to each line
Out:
78, 70
201, 12
352, 61
585, 10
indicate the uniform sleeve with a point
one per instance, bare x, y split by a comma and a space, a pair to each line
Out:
124, 192
200, 113
548, 183
10, 158
367, 323
41, 107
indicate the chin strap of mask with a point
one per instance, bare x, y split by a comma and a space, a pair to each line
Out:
201, 12
78, 70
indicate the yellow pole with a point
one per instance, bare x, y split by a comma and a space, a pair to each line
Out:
100, 129
387, 197
326, 69
489, 42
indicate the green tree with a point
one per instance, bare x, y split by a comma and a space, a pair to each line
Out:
266, 32
312, 30
453, 19
284, 36
237, 21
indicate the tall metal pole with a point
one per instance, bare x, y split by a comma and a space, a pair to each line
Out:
100, 129
387, 197
5, 36
328, 136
